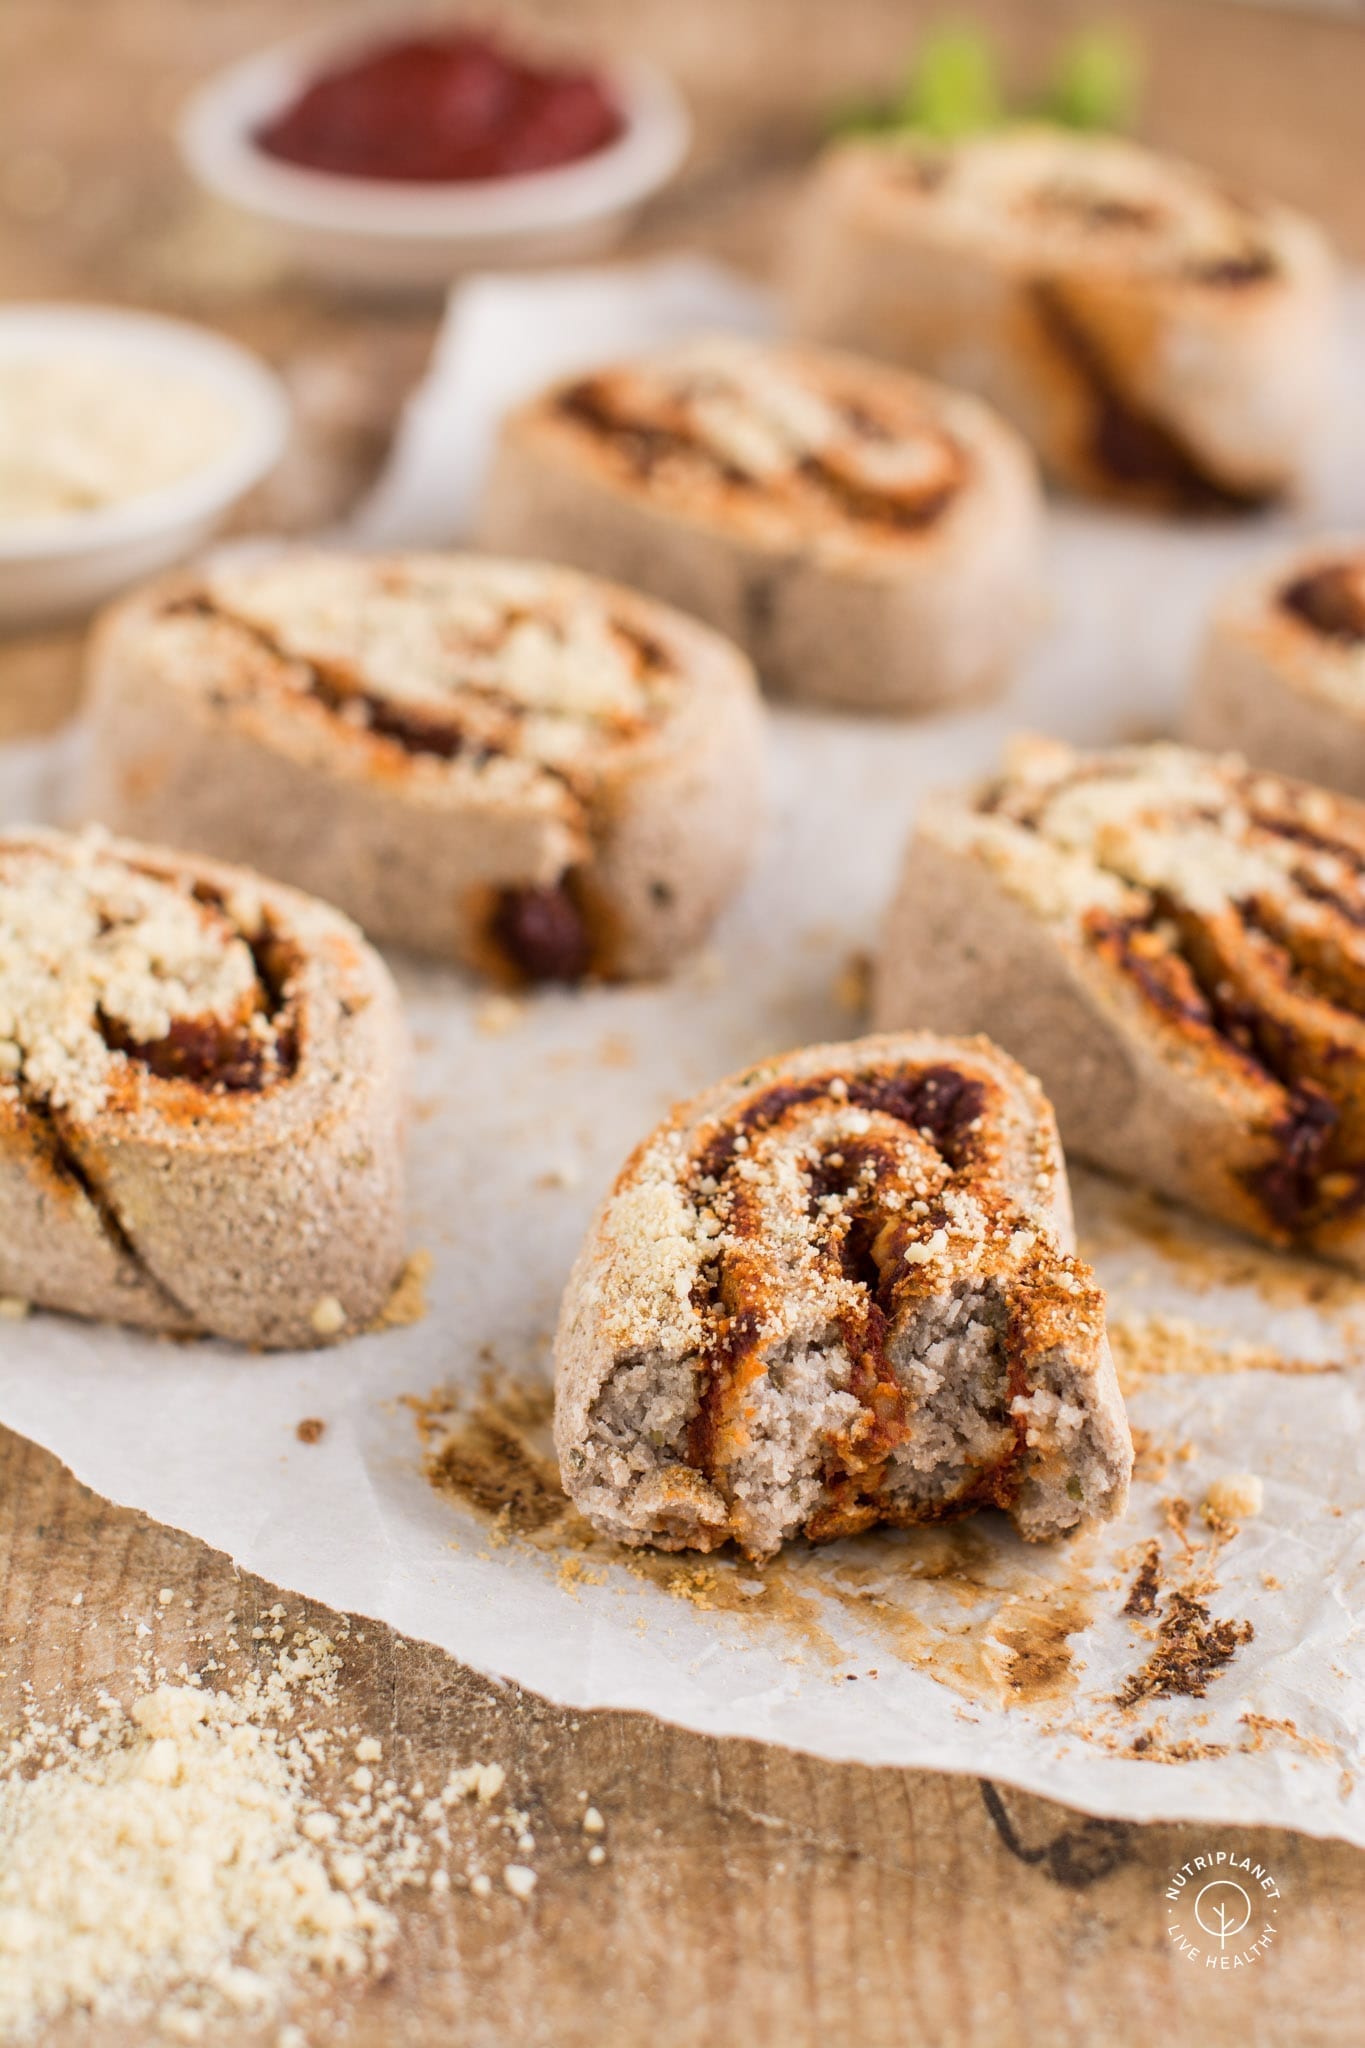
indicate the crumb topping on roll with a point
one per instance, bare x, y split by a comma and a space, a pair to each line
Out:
1159, 336
503, 762
104, 962
1064, 197
804, 442
1230, 905
510, 670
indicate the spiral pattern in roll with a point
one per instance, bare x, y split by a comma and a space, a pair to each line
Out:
1175, 944
201, 1097
835, 1292
1282, 673
1158, 337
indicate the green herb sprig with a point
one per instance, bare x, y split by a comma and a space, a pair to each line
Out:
954, 89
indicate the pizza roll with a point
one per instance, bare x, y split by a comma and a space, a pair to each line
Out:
1175, 945
837, 1290
500, 763
1158, 338
201, 1097
1282, 676
872, 540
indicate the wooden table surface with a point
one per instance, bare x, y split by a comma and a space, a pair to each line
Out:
749, 1895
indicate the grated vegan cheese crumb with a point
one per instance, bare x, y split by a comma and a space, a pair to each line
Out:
328, 1317
1234, 1498
78, 433
178, 1862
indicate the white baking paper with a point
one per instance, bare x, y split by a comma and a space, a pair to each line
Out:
960, 1650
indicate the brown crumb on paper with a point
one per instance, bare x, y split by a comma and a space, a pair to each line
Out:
1154, 1346
408, 1302
1191, 1649
310, 1430
488, 1459
1267, 1729
1264, 1730
1154, 1746
853, 985
1142, 1595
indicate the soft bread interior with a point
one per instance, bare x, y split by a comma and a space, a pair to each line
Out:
951, 1359
835, 1292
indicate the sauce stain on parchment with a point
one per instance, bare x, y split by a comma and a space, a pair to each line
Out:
956, 1600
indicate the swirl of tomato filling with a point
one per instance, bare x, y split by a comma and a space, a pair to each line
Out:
859, 1218
107, 966
797, 448
415, 667
1241, 929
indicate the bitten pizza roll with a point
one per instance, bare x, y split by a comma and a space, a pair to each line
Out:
837, 1290
1175, 945
872, 540
1157, 337
501, 763
201, 1097
1282, 675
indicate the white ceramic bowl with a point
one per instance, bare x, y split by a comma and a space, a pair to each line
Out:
381, 234
58, 568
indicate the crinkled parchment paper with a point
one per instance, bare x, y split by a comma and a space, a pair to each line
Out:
1160, 1668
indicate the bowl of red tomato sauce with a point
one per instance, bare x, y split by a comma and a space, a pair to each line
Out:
400, 160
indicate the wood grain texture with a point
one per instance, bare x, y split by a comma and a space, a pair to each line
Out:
750, 1895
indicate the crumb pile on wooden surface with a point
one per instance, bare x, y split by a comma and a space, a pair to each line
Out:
196, 1858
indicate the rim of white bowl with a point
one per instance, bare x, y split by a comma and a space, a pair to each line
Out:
217, 126
224, 368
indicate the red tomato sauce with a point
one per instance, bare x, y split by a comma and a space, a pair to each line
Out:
442, 108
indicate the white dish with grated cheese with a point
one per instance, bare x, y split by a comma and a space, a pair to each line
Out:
124, 439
